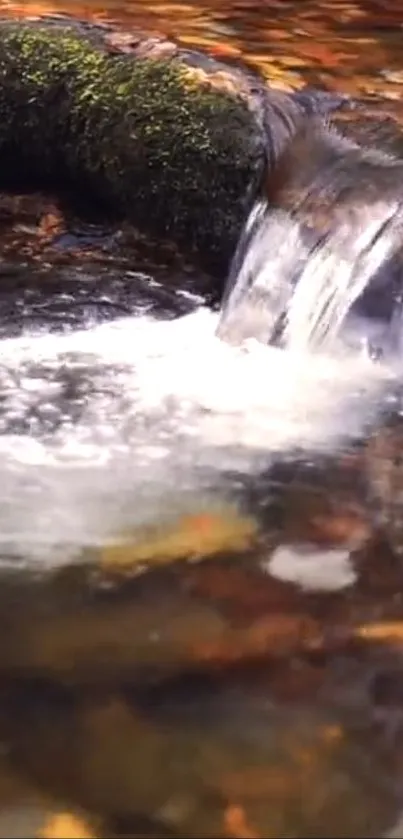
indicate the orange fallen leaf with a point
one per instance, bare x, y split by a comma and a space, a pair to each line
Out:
65, 826
277, 34
325, 55
173, 9
390, 631
236, 825
225, 51
192, 536
197, 41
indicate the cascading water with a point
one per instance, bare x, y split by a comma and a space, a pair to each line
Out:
310, 250
99, 421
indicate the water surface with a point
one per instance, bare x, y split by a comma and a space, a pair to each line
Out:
250, 683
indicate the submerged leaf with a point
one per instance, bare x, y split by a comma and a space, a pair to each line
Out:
389, 632
190, 537
65, 826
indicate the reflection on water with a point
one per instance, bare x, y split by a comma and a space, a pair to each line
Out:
215, 647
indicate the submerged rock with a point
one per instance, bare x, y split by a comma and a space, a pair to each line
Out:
202, 760
384, 471
208, 698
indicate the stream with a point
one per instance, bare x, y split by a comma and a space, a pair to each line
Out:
201, 535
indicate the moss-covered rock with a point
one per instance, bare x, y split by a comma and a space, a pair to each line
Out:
151, 136
169, 139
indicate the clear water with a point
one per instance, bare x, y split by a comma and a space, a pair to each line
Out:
107, 426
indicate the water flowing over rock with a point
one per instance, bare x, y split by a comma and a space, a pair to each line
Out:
325, 237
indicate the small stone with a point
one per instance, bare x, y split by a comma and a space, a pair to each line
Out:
312, 569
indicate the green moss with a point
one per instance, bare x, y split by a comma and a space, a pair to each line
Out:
174, 156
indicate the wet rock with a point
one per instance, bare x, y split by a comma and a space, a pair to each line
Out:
370, 126
86, 628
384, 469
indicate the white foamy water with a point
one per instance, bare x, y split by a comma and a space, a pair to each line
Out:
129, 421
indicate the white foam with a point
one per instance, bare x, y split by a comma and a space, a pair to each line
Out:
252, 395
168, 408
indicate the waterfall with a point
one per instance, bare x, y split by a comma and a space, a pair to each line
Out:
325, 231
